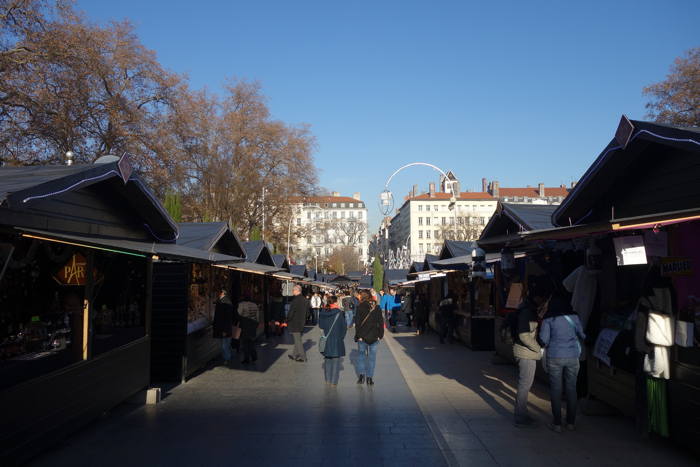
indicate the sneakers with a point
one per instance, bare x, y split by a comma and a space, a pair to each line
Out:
370, 381
361, 379
555, 428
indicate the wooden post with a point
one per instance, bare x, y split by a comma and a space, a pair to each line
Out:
88, 305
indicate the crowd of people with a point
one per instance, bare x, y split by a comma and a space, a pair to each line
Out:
543, 326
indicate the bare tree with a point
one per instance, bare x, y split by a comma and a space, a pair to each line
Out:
468, 229
676, 100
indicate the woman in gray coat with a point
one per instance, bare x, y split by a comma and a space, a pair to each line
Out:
332, 323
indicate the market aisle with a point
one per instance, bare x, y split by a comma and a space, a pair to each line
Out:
468, 402
280, 414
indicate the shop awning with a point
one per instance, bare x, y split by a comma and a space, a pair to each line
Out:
286, 276
130, 247
656, 220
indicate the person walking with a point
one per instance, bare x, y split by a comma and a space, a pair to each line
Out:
248, 320
315, 307
332, 322
349, 308
369, 330
407, 308
527, 350
561, 334
391, 305
296, 319
223, 324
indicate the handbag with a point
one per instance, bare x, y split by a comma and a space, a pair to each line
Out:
322, 340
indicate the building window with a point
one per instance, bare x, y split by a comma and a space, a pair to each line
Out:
420, 221
452, 221
420, 234
427, 221
334, 205
359, 250
427, 234
483, 221
342, 205
351, 205
359, 214
335, 214
420, 248
444, 221
342, 214
318, 250
308, 215
435, 207
437, 234
298, 220
420, 207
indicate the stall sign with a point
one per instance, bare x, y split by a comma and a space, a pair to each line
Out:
630, 250
74, 272
675, 266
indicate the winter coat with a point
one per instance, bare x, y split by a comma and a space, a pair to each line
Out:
561, 338
335, 334
315, 301
223, 317
248, 319
369, 323
298, 309
526, 345
390, 303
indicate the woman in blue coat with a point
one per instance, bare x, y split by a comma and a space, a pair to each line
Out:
332, 322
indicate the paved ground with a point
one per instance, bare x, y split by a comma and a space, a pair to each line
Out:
431, 405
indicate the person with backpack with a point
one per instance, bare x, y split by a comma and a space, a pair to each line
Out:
369, 330
527, 350
561, 334
332, 323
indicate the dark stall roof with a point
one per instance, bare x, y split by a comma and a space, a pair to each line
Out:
394, 276
210, 236
531, 216
257, 252
366, 281
164, 250
452, 248
355, 275
511, 221
281, 261
22, 187
620, 160
427, 263
416, 266
299, 270
456, 263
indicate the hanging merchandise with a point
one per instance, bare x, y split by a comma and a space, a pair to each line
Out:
630, 250
582, 283
657, 402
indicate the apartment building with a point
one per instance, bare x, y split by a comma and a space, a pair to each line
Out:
527, 195
323, 224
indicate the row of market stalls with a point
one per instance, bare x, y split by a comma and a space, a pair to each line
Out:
625, 246
102, 294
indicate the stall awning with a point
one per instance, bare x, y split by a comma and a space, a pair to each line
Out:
116, 245
656, 220
251, 268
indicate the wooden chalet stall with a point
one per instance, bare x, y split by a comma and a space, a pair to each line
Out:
75, 296
642, 196
184, 294
503, 240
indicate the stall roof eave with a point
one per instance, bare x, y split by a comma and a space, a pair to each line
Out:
252, 268
165, 250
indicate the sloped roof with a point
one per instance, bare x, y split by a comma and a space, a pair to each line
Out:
531, 216
392, 276
533, 192
299, 270
366, 281
280, 261
21, 187
452, 248
617, 163
465, 195
210, 236
427, 262
416, 266
257, 252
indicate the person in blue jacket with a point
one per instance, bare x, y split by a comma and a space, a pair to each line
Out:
561, 334
391, 305
332, 321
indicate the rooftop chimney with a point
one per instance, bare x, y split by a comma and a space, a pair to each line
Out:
415, 190
335, 194
540, 189
484, 185
356, 196
431, 189
494, 189
573, 185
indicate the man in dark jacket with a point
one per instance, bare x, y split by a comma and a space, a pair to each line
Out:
369, 330
296, 319
223, 324
447, 318
248, 320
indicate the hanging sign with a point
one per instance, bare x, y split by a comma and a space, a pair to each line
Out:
630, 250
675, 266
74, 271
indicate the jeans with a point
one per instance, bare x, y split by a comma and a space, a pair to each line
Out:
299, 351
248, 349
226, 348
393, 318
314, 316
367, 359
349, 317
568, 368
526, 376
331, 368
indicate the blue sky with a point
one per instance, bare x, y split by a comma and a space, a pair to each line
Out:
520, 92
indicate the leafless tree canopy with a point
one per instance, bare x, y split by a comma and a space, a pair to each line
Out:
67, 84
676, 100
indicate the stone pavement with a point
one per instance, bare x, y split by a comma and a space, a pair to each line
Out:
432, 405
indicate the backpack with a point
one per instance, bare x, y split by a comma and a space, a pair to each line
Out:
348, 304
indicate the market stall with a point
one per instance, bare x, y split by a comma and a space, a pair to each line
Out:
76, 247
